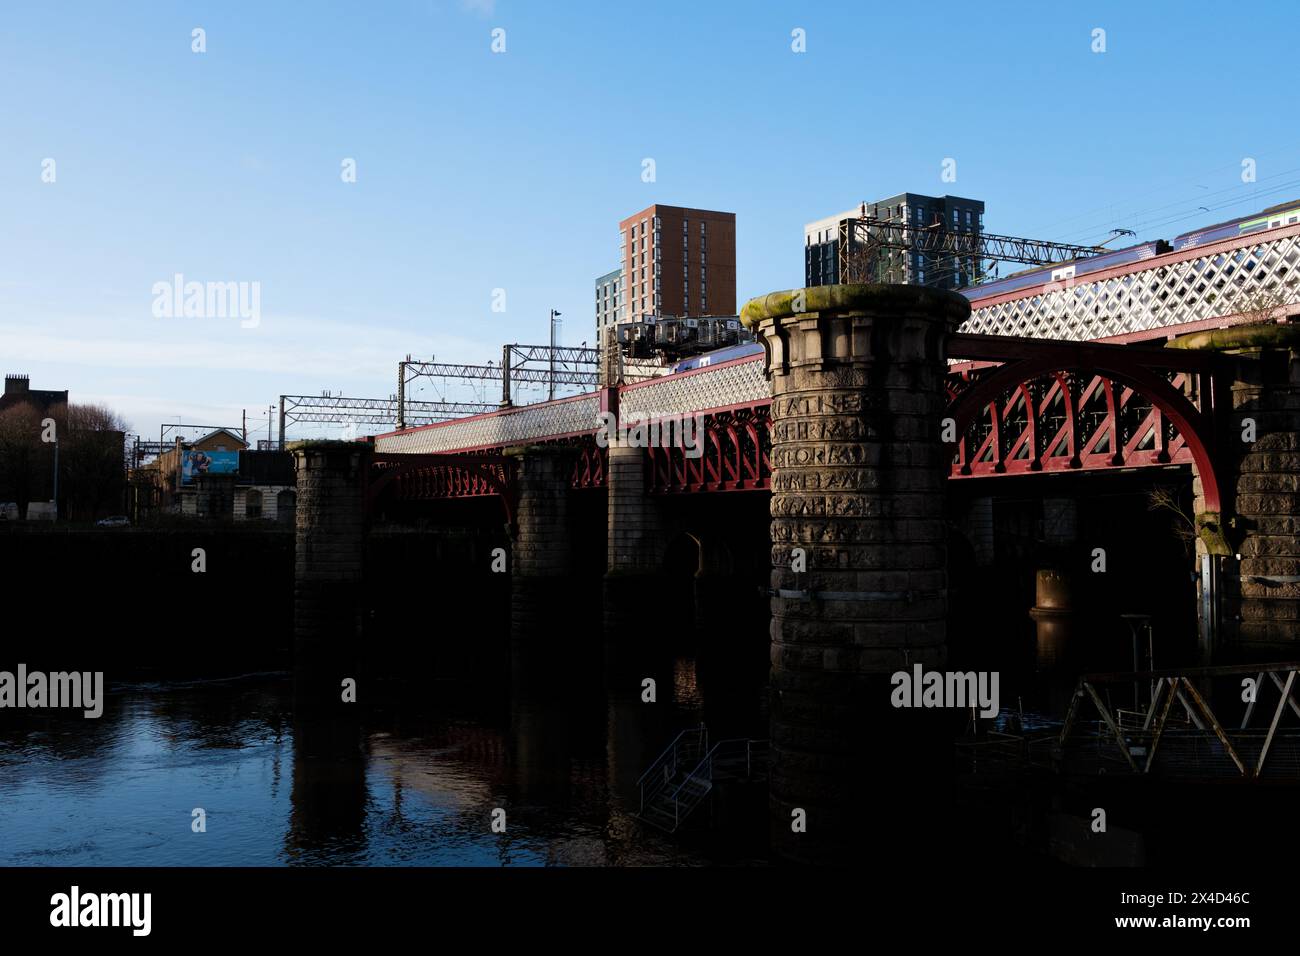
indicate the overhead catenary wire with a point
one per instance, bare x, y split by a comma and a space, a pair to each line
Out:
1108, 208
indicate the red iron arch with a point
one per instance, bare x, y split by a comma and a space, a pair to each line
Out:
1191, 422
486, 470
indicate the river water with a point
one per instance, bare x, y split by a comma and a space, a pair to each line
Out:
415, 781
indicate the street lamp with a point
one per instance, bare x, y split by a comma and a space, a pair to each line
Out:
56, 474
554, 315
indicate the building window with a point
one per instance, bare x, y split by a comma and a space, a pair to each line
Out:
252, 504
286, 502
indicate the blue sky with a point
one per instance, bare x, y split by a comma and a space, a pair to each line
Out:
478, 171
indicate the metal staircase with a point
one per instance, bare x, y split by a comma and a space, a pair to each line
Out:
687, 771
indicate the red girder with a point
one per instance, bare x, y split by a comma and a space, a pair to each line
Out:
589, 466
1039, 444
1147, 417
734, 456
1060, 406
435, 477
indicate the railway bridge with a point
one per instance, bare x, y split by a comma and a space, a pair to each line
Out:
866, 412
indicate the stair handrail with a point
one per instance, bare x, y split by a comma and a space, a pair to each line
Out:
707, 777
670, 754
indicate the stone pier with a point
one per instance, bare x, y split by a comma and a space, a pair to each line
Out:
329, 564
1259, 474
635, 542
541, 562
858, 472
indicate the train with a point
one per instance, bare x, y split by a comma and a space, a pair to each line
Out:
717, 356
1285, 214
1061, 271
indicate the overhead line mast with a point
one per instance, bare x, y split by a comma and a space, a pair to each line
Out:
861, 240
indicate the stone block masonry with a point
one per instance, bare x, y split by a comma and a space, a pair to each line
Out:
1260, 592
636, 539
330, 551
858, 478
541, 558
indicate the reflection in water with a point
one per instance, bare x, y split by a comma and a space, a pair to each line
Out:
412, 780
327, 820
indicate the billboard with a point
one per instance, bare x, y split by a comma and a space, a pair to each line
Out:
195, 464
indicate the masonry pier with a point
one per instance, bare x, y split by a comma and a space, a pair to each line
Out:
1258, 596
329, 560
635, 540
858, 472
541, 579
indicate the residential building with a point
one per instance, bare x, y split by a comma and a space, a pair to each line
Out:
906, 266
608, 301
678, 261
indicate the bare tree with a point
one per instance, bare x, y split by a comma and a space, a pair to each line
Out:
1262, 305
91, 463
1161, 498
24, 459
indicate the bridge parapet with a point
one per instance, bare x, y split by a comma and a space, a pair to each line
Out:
1211, 284
509, 426
726, 385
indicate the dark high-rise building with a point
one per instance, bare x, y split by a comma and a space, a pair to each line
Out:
907, 266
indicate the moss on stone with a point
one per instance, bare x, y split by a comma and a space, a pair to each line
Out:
1210, 529
1269, 335
324, 444
853, 298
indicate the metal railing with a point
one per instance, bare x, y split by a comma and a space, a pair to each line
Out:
684, 751
1203, 745
736, 758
